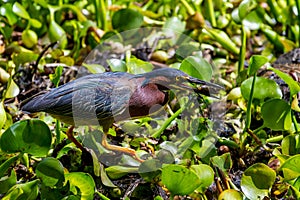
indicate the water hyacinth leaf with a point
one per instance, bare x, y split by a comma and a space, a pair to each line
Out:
13, 90
257, 181
94, 68
223, 162
276, 114
205, 174
197, 67
27, 136
293, 85
82, 181
115, 172
6, 165
245, 7
104, 178
51, 172
252, 21
7, 182
150, 169
263, 88
230, 194
28, 191
126, 19
35, 23
289, 145
2, 115
57, 33
19, 10
137, 66
117, 65
6, 10
179, 180
255, 63
290, 168
24, 57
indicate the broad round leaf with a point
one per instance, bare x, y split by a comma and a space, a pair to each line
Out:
50, 171
256, 62
257, 181
117, 65
205, 174
179, 180
290, 168
197, 67
263, 88
126, 19
82, 181
27, 136
230, 194
276, 114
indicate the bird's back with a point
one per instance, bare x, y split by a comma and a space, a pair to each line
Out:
86, 100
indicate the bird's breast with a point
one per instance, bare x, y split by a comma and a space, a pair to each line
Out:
146, 100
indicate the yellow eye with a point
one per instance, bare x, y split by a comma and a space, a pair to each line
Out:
177, 78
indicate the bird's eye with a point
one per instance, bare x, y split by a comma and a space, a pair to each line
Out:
177, 78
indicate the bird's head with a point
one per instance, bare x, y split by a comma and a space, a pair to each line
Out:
170, 78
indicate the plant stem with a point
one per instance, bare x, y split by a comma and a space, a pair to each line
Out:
167, 123
298, 9
211, 13
242, 50
248, 114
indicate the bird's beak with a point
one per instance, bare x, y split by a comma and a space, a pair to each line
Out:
196, 81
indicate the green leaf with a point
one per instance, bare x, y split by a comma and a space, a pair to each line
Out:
230, 194
253, 21
137, 66
51, 172
290, 168
263, 88
27, 136
224, 162
179, 180
127, 19
115, 172
6, 165
289, 145
197, 67
205, 174
222, 38
7, 182
6, 10
173, 25
257, 181
19, 10
82, 181
150, 169
255, 63
55, 78
28, 191
57, 33
35, 23
276, 114
94, 68
2, 115
293, 85
245, 7
104, 178
24, 57
117, 65
13, 90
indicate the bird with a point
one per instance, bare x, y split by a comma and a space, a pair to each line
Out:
109, 97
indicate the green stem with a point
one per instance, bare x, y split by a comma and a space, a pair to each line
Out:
211, 13
167, 123
189, 9
242, 50
298, 9
248, 114
275, 139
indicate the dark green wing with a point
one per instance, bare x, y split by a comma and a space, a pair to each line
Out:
85, 100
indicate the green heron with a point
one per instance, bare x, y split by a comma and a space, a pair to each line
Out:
102, 99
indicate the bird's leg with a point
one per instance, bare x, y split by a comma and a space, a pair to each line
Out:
71, 137
118, 148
